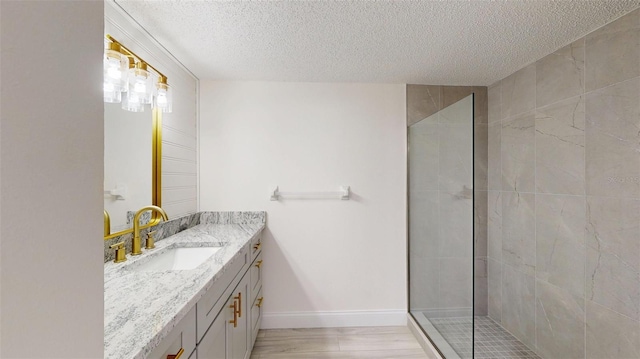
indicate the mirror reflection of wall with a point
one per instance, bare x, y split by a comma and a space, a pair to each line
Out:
127, 162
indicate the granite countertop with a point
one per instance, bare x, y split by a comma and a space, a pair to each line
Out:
141, 308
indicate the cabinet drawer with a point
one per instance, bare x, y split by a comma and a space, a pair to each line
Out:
183, 336
256, 314
213, 300
256, 245
256, 273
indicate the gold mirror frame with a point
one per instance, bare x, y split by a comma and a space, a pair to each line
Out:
156, 178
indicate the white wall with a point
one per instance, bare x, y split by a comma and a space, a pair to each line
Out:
51, 150
179, 128
327, 262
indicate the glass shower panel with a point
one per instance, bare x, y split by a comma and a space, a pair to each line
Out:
441, 227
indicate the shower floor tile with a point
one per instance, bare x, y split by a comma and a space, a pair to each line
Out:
491, 340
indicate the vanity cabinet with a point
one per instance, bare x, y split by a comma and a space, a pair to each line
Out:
182, 337
227, 335
228, 318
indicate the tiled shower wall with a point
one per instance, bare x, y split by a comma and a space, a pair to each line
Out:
564, 198
429, 268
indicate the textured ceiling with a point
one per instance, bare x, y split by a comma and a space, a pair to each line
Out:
450, 42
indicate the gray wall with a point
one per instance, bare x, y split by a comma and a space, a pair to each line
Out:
441, 230
51, 177
564, 198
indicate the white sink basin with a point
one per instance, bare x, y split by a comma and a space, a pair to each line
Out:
179, 258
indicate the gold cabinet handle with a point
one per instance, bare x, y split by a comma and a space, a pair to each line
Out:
239, 298
257, 246
120, 252
259, 263
259, 304
235, 314
178, 354
150, 241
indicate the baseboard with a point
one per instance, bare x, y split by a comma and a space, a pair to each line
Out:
364, 318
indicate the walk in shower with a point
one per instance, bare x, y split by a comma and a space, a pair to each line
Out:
447, 199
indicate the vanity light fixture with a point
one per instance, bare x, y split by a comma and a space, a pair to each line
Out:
114, 69
163, 99
127, 80
131, 102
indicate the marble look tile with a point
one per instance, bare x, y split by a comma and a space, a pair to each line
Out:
458, 113
494, 281
424, 156
424, 276
480, 289
560, 242
480, 105
612, 283
560, 75
456, 225
456, 283
559, 322
453, 94
518, 304
456, 158
612, 52
422, 102
518, 231
518, 153
494, 157
560, 154
494, 98
424, 223
494, 225
518, 92
613, 227
480, 157
612, 137
611, 335
480, 223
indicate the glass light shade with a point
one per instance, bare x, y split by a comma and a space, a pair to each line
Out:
131, 102
110, 93
164, 96
140, 84
114, 65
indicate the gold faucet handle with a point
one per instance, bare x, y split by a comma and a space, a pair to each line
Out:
120, 252
150, 242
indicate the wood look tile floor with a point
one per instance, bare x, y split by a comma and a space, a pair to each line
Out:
338, 343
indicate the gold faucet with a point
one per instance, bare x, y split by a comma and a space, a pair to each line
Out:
107, 223
136, 247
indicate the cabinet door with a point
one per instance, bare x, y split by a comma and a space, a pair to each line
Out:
214, 343
183, 336
237, 336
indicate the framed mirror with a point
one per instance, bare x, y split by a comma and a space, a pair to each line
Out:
132, 167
